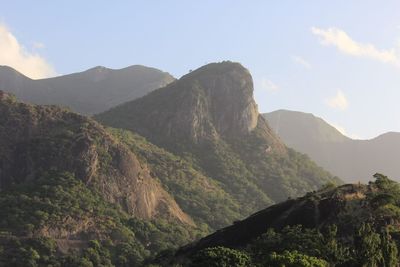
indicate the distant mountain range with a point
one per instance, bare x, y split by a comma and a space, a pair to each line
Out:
88, 92
351, 160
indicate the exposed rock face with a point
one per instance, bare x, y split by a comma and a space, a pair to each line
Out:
228, 89
215, 100
210, 117
35, 139
88, 92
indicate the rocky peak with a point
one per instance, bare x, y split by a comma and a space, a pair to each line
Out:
213, 101
228, 88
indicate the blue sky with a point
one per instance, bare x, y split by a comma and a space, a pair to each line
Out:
337, 59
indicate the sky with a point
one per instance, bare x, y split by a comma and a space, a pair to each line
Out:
339, 60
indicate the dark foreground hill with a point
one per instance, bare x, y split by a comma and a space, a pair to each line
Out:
210, 118
352, 160
88, 92
349, 225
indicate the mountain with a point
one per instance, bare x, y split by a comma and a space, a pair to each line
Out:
196, 156
352, 160
209, 118
66, 180
89, 92
35, 139
69, 186
349, 225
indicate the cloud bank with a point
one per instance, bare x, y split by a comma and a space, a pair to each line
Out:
15, 55
345, 44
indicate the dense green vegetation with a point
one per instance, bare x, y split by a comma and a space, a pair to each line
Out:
51, 217
68, 185
278, 176
198, 195
56, 213
221, 256
213, 183
296, 246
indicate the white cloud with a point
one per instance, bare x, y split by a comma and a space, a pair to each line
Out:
339, 101
342, 41
15, 55
268, 85
301, 61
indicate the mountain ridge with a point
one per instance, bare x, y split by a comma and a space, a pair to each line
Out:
87, 92
350, 159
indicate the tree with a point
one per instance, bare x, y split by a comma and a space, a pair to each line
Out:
367, 246
221, 257
389, 250
334, 252
293, 259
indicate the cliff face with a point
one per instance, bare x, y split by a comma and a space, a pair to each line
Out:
214, 101
227, 91
209, 116
37, 139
